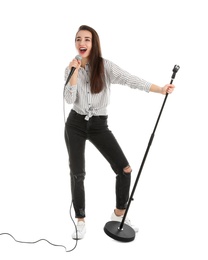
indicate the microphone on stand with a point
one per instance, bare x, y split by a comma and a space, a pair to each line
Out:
119, 230
78, 57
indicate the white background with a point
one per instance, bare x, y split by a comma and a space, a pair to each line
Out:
146, 38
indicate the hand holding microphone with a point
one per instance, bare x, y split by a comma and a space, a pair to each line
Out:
74, 64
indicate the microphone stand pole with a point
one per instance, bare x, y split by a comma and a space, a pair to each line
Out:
119, 230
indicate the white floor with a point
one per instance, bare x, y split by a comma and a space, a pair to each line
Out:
172, 222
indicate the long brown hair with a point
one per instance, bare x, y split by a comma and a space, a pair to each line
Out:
97, 75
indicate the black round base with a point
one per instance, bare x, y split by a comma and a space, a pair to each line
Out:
126, 234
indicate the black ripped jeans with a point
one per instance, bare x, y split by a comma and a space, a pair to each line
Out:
77, 131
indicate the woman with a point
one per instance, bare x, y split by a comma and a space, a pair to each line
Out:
89, 92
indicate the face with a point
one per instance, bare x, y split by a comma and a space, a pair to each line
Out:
83, 43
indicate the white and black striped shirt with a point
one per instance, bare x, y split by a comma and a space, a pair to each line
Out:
86, 103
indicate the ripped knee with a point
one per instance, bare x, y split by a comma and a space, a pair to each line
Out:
127, 169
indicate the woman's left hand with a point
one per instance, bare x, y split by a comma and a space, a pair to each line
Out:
168, 88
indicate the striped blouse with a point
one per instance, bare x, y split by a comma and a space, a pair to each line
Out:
86, 103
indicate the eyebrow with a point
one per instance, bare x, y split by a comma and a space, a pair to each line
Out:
86, 37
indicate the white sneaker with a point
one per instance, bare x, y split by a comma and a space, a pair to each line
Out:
79, 231
127, 221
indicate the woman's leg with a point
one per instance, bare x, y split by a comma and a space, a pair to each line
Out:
75, 139
106, 143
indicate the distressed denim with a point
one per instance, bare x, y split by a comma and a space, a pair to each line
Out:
77, 132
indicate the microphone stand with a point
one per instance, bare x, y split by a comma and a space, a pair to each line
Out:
119, 230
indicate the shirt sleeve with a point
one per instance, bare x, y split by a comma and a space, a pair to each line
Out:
119, 76
70, 92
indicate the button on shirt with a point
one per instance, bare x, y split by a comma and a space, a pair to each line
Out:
86, 103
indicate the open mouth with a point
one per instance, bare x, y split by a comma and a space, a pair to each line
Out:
82, 50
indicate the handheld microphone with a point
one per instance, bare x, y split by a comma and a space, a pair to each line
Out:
78, 57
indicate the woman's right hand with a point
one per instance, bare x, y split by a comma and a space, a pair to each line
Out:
76, 64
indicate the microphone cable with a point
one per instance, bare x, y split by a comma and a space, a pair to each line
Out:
43, 239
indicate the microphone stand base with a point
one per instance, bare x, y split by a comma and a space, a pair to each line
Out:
126, 234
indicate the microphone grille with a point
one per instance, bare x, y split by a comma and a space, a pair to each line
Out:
78, 57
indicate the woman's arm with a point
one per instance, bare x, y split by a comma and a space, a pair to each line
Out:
168, 88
